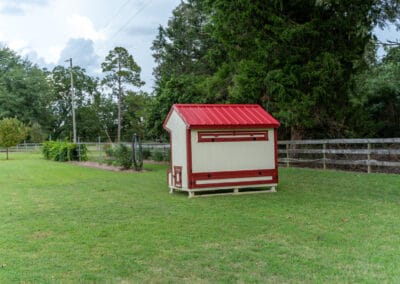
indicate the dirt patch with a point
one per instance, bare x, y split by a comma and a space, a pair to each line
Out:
96, 165
41, 235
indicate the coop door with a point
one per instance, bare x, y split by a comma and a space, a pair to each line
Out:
177, 176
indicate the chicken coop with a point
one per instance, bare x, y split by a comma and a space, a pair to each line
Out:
217, 147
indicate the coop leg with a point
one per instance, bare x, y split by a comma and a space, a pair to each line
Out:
273, 189
236, 190
191, 194
171, 190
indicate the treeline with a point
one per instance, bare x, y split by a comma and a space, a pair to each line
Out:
312, 64
41, 99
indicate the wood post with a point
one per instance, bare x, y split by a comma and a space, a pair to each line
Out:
369, 158
324, 155
287, 156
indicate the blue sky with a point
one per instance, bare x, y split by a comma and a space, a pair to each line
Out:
50, 31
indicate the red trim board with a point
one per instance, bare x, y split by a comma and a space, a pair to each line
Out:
177, 177
232, 136
220, 179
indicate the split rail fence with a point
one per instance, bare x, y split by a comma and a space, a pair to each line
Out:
378, 155
368, 155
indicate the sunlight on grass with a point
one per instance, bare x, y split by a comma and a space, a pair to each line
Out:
68, 223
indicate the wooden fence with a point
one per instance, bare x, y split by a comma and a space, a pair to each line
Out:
351, 153
24, 147
354, 154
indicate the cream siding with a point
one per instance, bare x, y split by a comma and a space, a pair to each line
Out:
178, 145
232, 156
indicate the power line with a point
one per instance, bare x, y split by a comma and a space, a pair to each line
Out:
141, 8
116, 14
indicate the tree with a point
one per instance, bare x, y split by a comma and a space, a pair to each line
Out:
121, 71
135, 114
87, 98
376, 98
180, 51
36, 134
25, 91
12, 132
296, 58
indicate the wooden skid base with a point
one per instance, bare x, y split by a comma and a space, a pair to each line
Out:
235, 191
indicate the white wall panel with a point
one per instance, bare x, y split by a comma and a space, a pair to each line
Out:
232, 156
178, 138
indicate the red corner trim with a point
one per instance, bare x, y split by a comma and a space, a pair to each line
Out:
276, 152
189, 157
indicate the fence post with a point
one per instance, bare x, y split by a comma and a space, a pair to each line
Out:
369, 158
26, 147
79, 149
324, 155
100, 154
287, 155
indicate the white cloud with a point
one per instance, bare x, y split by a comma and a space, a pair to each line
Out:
17, 44
53, 54
82, 53
82, 27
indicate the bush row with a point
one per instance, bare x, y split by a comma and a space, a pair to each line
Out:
159, 156
121, 155
64, 151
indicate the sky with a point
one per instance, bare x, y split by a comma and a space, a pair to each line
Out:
48, 32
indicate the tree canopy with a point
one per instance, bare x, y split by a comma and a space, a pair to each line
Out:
296, 58
121, 70
311, 63
24, 89
12, 132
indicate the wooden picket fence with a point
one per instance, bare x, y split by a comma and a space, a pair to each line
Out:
354, 154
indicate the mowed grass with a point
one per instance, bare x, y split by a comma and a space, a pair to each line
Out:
65, 223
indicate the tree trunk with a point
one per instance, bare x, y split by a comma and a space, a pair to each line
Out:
119, 104
119, 112
296, 133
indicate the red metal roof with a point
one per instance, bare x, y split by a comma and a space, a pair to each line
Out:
224, 116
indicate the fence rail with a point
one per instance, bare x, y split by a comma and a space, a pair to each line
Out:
381, 152
24, 147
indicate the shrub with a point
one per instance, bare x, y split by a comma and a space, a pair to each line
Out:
158, 156
166, 157
123, 156
119, 155
64, 151
108, 149
146, 153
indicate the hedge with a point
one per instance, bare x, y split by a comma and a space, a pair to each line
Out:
64, 151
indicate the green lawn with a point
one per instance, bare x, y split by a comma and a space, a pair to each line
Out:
61, 222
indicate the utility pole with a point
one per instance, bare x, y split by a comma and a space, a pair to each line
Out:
72, 100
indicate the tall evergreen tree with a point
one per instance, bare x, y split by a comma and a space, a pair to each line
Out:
121, 71
180, 51
296, 58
